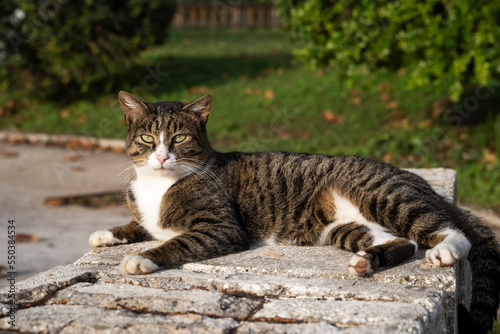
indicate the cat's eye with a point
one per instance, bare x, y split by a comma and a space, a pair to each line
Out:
147, 138
179, 139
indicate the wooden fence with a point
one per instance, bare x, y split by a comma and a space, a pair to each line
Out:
229, 13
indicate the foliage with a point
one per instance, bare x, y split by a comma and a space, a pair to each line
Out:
434, 40
59, 46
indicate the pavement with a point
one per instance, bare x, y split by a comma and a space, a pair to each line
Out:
29, 174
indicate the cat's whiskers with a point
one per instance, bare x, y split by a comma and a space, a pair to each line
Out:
196, 168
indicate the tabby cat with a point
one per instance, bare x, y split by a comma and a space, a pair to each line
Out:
205, 204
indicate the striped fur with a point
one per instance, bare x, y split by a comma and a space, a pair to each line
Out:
222, 203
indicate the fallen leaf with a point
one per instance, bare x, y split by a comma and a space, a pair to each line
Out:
24, 237
63, 301
387, 157
64, 113
331, 117
244, 78
252, 91
82, 119
398, 116
425, 124
197, 90
55, 201
269, 94
384, 97
490, 156
438, 107
384, 87
356, 100
392, 105
10, 154
355, 92
72, 157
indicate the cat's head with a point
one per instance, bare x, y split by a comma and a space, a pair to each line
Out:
166, 138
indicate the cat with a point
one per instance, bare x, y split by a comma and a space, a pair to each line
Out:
205, 204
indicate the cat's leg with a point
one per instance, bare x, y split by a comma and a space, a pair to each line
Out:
129, 233
449, 247
374, 245
203, 241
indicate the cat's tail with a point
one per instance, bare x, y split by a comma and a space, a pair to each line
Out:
484, 258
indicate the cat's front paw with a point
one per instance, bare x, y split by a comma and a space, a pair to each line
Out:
362, 264
104, 238
442, 255
137, 265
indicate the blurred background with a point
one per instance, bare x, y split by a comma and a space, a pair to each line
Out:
412, 83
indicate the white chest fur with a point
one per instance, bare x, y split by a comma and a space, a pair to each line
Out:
148, 190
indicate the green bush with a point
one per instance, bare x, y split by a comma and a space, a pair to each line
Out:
433, 40
62, 45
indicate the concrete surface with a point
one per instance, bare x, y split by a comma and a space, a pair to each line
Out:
28, 175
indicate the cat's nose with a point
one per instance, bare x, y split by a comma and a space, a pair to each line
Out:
161, 158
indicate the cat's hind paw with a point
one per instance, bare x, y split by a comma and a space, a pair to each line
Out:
442, 255
362, 264
137, 265
104, 238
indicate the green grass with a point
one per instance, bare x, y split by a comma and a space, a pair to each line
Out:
264, 101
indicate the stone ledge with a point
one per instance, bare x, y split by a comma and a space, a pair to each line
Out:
282, 289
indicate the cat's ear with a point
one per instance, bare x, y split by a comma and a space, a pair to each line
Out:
132, 107
200, 107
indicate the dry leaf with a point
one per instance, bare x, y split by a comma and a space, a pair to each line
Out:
269, 94
197, 90
384, 87
24, 237
490, 156
252, 91
398, 116
392, 105
55, 201
425, 124
331, 117
384, 97
284, 135
64, 113
10, 154
387, 157
355, 92
82, 119
437, 109
356, 100
72, 157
